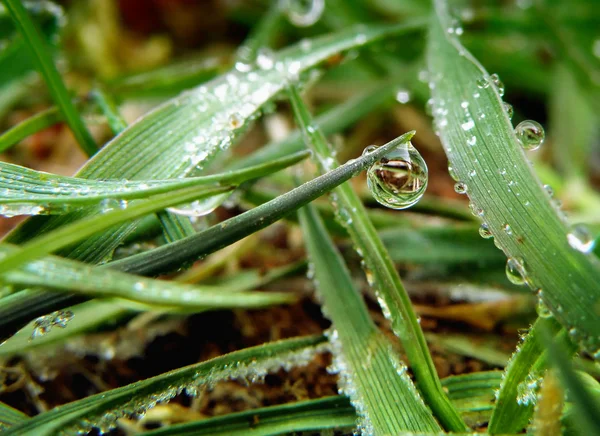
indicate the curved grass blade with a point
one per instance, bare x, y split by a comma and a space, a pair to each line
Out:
45, 64
515, 400
26, 191
370, 372
20, 308
312, 415
31, 125
487, 158
70, 275
392, 296
109, 108
103, 409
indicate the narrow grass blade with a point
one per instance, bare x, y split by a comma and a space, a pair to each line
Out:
515, 400
10, 416
260, 37
26, 191
103, 409
490, 163
392, 296
370, 373
109, 108
45, 64
20, 308
586, 406
31, 125
313, 415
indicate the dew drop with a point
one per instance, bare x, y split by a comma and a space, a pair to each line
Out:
549, 190
530, 134
507, 229
235, 120
402, 96
44, 324
509, 110
452, 173
542, 310
580, 238
515, 271
476, 211
303, 13
495, 79
264, 59
398, 180
200, 207
483, 83
460, 188
484, 231
472, 173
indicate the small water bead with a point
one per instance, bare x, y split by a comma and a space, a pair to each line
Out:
508, 109
580, 238
235, 120
399, 179
530, 134
476, 211
484, 231
303, 13
44, 324
472, 173
542, 310
549, 190
472, 141
452, 173
265, 59
483, 83
515, 271
460, 188
507, 229
495, 79
402, 96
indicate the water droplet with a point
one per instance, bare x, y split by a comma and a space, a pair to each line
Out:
580, 238
530, 134
495, 79
549, 190
460, 188
472, 141
264, 59
507, 229
303, 13
477, 211
484, 231
399, 179
200, 207
483, 83
44, 324
452, 173
515, 271
472, 173
542, 310
402, 96
467, 125
509, 110
235, 120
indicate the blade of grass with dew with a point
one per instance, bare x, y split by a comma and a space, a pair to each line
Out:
91, 314
490, 163
391, 294
261, 36
322, 414
31, 125
516, 398
20, 308
103, 409
586, 405
26, 191
10, 416
69, 275
369, 371
166, 143
45, 64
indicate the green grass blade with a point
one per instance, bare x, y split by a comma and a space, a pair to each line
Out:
26, 191
20, 308
110, 110
260, 37
312, 415
515, 401
31, 125
104, 408
10, 416
586, 406
69, 275
391, 294
370, 373
45, 64
516, 207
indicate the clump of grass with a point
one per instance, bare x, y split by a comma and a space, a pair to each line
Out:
64, 275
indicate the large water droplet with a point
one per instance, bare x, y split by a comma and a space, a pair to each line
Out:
399, 179
200, 207
303, 13
44, 324
484, 231
530, 134
580, 238
515, 271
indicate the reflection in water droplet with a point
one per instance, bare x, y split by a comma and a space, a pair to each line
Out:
200, 207
580, 238
399, 179
460, 188
509, 109
542, 310
530, 134
507, 229
515, 271
44, 324
484, 231
483, 83
549, 190
495, 79
303, 13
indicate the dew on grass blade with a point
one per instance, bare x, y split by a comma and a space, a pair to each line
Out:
44, 324
580, 238
495, 79
460, 188
200, 207
515, 271
530, 134
484, 231
398, 180
303, 13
